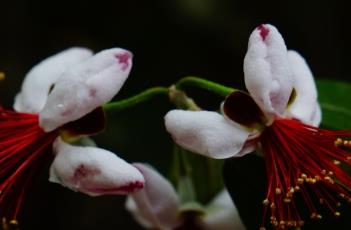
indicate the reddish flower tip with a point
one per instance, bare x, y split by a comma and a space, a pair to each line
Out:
301, 159
264, 31
24, 147
123, 58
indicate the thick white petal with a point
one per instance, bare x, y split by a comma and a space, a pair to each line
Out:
206, 133
93, 171
316, 117
303, 107
222, 214
268, 77
85, 87
40, 78
155, 206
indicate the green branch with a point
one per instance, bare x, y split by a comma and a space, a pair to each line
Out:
137, 99
211, 86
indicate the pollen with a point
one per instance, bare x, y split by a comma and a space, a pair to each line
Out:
304, 159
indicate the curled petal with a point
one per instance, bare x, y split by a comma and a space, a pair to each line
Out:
85, 87
206, 133
222, 214
93, 171
267, 71
304, 104
37, 83
155, 206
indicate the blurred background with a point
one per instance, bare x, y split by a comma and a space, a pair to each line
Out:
170, 40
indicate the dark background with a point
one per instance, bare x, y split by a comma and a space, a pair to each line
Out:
169, 39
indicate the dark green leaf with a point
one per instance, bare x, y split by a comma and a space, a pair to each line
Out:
334, 99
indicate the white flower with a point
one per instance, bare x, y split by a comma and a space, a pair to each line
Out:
279, 117
273, 75
66, 87
157, 206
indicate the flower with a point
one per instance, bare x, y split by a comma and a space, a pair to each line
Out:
158, 206
60, 99
278, 117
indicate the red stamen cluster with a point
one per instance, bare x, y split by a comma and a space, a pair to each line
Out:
303, 159
24, 146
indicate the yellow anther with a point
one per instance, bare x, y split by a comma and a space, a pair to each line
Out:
265, 202
337, 214
338, 142
324, 172
14, 222
336, 162
262, 228
338, 204
313, 215
319, 217
2, 76
273, 206
297, 188
345, 143
287, 200
303, 176
278, 191
300, 180
330, 173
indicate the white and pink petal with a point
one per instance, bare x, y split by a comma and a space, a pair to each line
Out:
86, 86
303, 106
206, 133
156, 206
38, 81
268, 76
93, 171
222, 214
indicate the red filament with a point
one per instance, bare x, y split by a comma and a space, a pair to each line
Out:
303, 159
24, 146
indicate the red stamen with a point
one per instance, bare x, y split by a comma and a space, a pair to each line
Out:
24, 146
302, 159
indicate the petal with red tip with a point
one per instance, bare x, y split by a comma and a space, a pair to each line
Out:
155, 206
268, 77
37, 83
85, 87
305, 102
222, 214
206, 133
93, 171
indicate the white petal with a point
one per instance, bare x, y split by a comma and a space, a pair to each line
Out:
93, 171
267, 71
316, 117
155, 206
85, 87
206, 133
305, 102
222, 214
40, 78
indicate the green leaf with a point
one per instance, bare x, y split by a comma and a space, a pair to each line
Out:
196, 178
334, 99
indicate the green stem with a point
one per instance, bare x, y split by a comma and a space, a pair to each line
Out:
137, 99
219, 89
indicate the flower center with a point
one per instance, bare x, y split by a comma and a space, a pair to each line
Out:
303, 161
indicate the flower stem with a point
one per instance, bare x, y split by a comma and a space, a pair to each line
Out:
190, 81
137, 99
